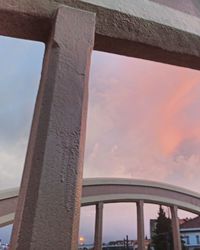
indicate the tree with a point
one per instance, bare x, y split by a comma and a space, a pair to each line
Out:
162, 239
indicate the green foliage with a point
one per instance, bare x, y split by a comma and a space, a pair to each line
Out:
162, 239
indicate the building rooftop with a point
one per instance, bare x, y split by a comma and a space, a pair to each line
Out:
192, 223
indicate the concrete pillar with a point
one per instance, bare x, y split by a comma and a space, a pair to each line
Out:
140, 225
48, 211
98, 226
175, 228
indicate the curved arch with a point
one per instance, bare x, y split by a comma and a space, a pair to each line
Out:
8, 204
111, 190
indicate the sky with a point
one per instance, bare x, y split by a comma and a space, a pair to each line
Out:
20, 66
143, 122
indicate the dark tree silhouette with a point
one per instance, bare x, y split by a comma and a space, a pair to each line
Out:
162, 239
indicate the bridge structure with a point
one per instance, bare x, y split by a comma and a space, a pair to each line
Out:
98, 191
166, 31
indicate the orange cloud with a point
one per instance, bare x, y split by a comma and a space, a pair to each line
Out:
142, 121
172, 132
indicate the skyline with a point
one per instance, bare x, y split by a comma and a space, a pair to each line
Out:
130, 114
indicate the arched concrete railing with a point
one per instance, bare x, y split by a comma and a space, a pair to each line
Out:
8, 203
98, 191
111, 190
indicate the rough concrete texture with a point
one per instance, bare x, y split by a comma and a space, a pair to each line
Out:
27, 19
191, 7
49, 202
53, 168
117, 30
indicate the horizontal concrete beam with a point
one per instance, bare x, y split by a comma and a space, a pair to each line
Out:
136, 28
112, 190
26, 19
146, 30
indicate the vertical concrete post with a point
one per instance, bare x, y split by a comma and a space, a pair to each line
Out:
140, 225
48, 211
175, 228
98, 226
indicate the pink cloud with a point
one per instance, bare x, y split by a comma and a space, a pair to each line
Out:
141, 116
142, 123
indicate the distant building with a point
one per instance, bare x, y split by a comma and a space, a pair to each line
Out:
117, 245
190, 233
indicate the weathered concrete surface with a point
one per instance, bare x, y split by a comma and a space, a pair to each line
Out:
191, 7
145, 29
138, 28
27, 19
49, 202
98, 226
157, 33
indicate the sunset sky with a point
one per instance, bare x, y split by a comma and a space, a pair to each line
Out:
143, 122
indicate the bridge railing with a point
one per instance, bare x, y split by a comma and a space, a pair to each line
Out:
99, 191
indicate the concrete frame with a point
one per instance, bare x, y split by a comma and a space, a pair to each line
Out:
138, 28
135, 28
